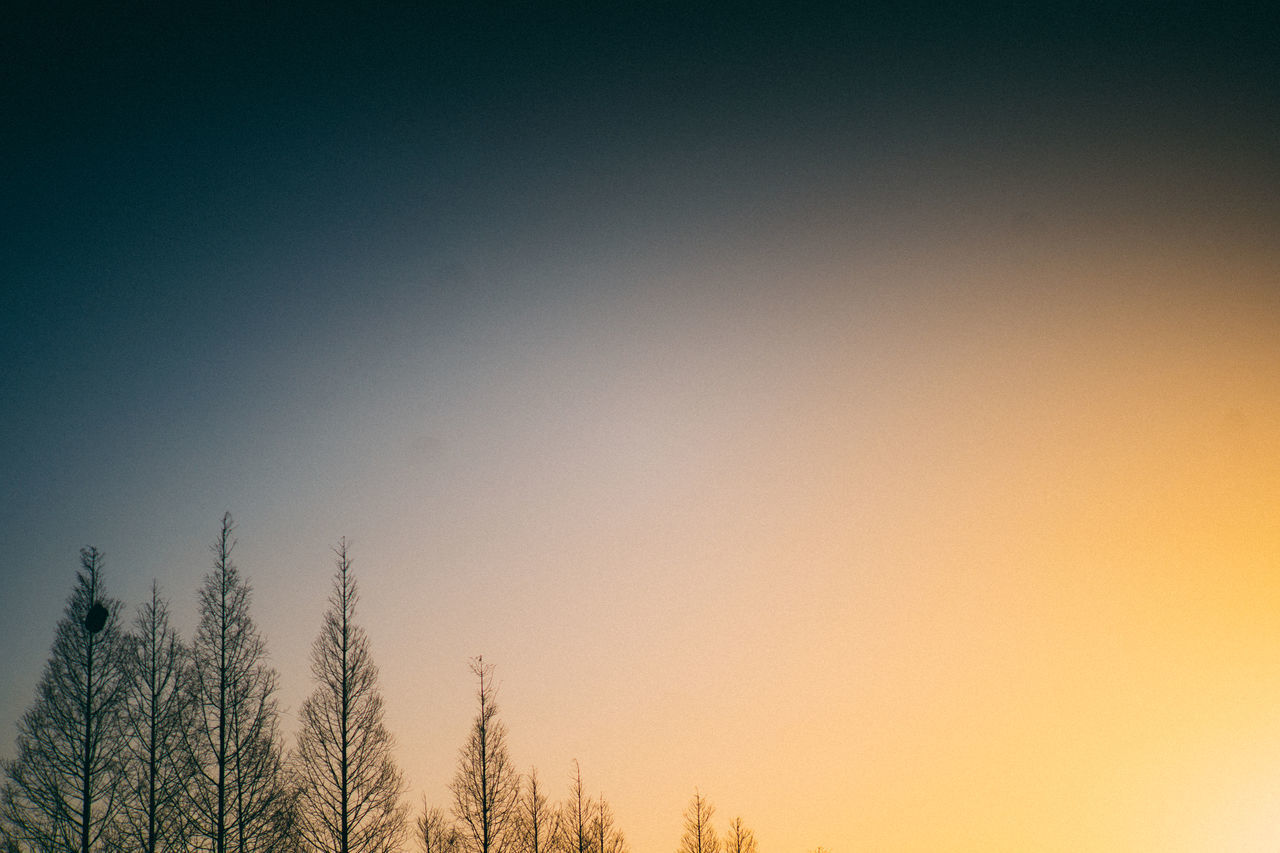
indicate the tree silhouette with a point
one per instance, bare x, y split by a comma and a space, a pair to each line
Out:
158, 713
349, 785
237, 793
436, 833
605, 834
699, 837
739, 839
577, 815
64, 789
537, 827
486, 788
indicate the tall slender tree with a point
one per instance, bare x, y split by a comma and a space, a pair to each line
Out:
699, 836
236, 794
537, 826
158, 713
350, 789
63, 791
577, 814
605, 834
486, 787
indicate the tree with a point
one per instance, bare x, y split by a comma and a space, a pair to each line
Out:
576, 817
237, 793
349, 796
158, 713
606, 836
537, 827
436, 832
63, 791
699, 836
486, 788
739, 839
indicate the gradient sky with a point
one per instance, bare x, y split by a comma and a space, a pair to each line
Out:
869, 419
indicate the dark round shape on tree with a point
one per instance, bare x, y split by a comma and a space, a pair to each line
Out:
96, 618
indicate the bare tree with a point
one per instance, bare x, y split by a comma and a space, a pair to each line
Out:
537, 827
739, 839
63, 791
699, 836
158, 713
486, 788
606, 836
350, 788
577, 815
436, 832
237, 792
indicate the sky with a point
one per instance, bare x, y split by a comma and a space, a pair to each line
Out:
867, 418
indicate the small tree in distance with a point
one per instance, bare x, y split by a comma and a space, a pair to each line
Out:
436, 832
739, 839
605, 835
537, 822
577, 815
699, 836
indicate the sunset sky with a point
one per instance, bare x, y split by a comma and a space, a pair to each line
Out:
868, 419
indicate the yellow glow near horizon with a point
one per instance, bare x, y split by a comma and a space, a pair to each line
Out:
950, 547
995, 574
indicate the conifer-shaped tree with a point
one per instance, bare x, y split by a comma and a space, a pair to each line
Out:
349, 787
486, 787
237, 796
158, 712
699, 836
63, 791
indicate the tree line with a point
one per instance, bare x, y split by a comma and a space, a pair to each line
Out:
140, 741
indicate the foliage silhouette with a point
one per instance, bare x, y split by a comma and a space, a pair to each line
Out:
139, 742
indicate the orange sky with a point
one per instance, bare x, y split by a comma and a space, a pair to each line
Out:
932, 544
987, 567
871, 421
